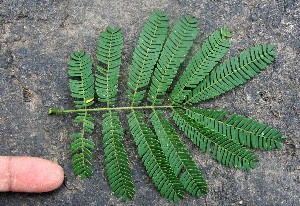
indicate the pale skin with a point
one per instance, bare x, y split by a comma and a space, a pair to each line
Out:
29, 174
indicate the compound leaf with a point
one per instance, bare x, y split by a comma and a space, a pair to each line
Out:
224, 149
155, 161
213, 49
80, 66
146, 55
232, 73
179, 157
117, 163
241, 130
109, 54
174, 51
167, 161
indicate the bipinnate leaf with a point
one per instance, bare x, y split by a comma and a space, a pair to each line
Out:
117, 163
109, 54
174, 51
232, 73
224, 149
146, 55
165, 157
241, 130
155, 161
178, 157
206, 58
80, 66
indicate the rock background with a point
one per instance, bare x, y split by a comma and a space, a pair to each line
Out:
36, 38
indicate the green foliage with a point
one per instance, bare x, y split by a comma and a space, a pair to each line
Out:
109, 54
83, 89
232, 73
177, 46
80, 66
159, 57
155, 161
241, 130
206, 58
106, 83
146, 55
178, 157
117, 164
225, 150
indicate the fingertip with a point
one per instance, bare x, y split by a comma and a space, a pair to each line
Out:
30, 174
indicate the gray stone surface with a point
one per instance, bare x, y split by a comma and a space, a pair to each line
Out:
36, 38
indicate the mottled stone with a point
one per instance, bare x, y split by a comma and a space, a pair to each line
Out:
36, 38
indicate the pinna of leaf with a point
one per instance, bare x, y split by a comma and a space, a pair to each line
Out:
156, 60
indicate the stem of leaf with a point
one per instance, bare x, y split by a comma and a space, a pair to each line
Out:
54, 111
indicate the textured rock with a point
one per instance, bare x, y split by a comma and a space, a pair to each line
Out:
36, 38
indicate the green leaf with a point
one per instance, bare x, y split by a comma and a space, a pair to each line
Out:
146, 54
117, 164
157, 166
213, 49
165, 157
231, 74
174, 51
178, 157
80, 66
241, 130
225, 150
109, 54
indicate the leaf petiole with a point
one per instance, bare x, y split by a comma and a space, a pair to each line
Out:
54, 111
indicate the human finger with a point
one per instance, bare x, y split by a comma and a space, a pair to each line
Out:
29, 174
